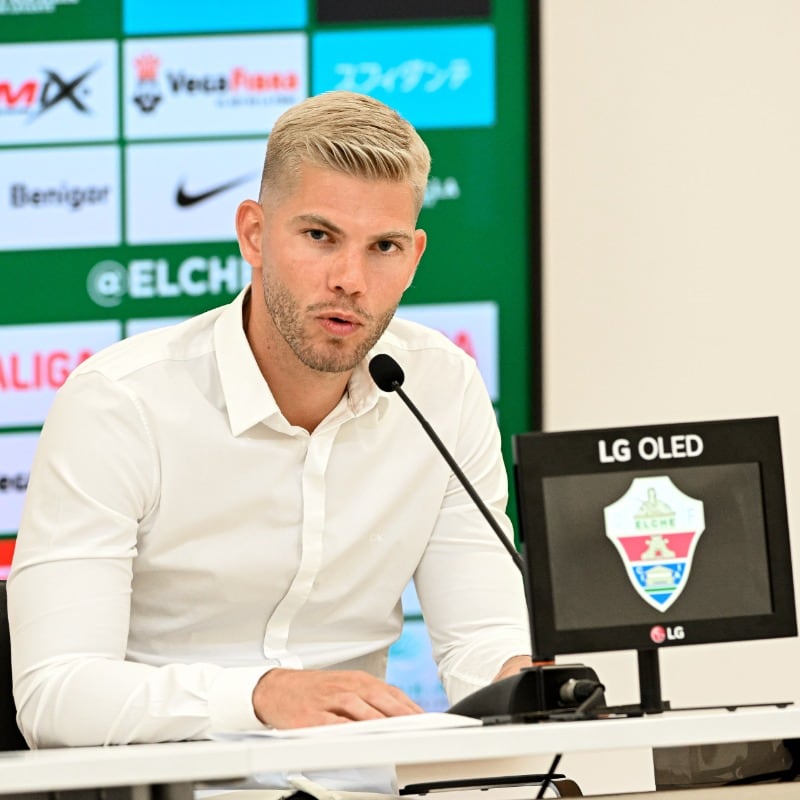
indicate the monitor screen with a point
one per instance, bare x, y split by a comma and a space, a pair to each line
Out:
655, 536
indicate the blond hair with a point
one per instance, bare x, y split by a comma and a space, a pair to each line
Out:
351, 133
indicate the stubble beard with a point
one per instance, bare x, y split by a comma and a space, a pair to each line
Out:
336, 355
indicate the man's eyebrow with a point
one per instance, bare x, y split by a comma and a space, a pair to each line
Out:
395, 235
316, 219
322, 222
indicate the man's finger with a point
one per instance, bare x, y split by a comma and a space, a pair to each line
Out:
401, 695
354, 707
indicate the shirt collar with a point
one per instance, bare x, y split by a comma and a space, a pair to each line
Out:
248, 398
362, 393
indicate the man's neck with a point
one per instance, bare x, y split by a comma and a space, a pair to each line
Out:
304, 396
307, 403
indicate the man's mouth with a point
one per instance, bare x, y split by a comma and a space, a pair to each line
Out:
339, 324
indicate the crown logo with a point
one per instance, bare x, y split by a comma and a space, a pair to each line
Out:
147, 66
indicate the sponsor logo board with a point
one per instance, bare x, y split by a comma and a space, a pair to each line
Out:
59, 197
58, 92
441, 77
189, 191
411, 667
215, 86
16, 457
35, 360
472, 326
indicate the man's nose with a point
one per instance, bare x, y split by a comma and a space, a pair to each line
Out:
348, 272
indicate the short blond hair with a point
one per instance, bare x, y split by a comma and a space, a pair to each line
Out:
349, 132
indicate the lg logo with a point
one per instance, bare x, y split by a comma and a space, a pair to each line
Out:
659, 634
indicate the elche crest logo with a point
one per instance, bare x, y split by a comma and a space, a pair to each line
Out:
655, 528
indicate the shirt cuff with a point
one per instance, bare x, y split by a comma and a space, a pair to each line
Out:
230, 701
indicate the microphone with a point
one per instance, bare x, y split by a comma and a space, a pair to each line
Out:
534, 689
389, 377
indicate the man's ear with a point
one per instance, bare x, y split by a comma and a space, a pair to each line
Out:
420, 241
249, 231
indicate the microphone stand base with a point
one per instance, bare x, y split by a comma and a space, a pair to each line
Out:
534, 689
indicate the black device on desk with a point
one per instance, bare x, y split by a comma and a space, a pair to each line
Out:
657, 536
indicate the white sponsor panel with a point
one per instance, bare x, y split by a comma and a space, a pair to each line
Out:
189, 191
216, 85
35, 360
136, 326
58, 92
16, 457
472, 326
59, 197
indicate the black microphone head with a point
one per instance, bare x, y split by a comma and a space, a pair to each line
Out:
386, 372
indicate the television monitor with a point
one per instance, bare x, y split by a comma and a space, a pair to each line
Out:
647, 537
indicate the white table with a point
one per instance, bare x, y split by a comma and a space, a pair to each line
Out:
416, 754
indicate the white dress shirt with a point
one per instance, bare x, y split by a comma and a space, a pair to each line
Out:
180, 537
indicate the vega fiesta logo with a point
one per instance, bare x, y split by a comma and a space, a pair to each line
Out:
655, 528
202, 86
238, 85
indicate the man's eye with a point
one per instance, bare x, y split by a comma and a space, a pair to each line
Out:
386, 247
316, 234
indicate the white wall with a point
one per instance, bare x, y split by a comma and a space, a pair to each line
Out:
671, 197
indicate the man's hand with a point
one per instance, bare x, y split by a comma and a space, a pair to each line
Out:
517, 664
293, 698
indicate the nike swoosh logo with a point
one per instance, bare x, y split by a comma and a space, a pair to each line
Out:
186, 199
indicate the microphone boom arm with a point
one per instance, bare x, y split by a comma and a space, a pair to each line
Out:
516, 557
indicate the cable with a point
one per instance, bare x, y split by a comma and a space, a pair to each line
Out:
548, 778
582, 711
590, 701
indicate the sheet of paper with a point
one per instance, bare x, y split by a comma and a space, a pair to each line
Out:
411, 722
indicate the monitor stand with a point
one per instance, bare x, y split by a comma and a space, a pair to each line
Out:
650, 683
650, 700
650, 692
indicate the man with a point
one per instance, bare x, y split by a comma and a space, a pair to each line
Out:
222, 515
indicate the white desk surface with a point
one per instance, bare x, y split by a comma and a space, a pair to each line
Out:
87, 767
